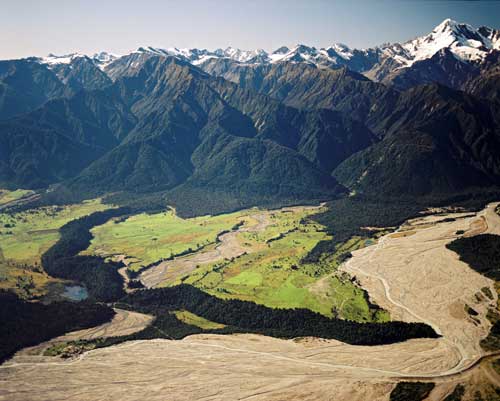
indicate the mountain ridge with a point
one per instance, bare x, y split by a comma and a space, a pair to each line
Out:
381, 63
250, 133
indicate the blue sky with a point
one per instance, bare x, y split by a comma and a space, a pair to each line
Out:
36, 27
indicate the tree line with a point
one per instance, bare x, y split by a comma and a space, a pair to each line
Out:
245, 316
346, 217
481, 253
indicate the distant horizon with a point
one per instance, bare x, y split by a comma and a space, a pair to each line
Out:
120, 27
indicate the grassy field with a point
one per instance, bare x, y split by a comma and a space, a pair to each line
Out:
26, 235
148, 238
7, 196
273, 274
198, 321
27, 282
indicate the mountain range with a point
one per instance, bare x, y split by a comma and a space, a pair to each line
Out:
421, 118
450, 47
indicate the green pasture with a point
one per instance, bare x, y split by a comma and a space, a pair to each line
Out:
198, 321
26, 235
148, 238
273, 275
7, 196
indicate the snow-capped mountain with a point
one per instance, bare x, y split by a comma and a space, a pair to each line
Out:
197, 56
53, 59
79, 71
465, 42
243, 56
415, 61
303, 53
451, 54
335, 55
115, 120
101, 59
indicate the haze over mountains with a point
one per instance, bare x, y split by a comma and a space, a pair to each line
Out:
420, 118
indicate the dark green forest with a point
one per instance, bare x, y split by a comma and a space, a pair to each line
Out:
24, 324
254, 318
101, 278
481, 252
347, 216
411, 391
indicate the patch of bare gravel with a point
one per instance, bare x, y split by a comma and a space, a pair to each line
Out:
417, 278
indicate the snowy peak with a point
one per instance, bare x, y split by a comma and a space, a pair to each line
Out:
101, 59
197, 56
153, 50
243, 56
338, 54
335, 55
298, 53
447, 25
340, 50
464, 41
450, 38
52, 59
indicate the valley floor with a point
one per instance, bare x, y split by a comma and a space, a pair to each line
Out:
410, 273
252, 255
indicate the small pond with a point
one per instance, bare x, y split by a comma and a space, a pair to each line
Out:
75, 293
